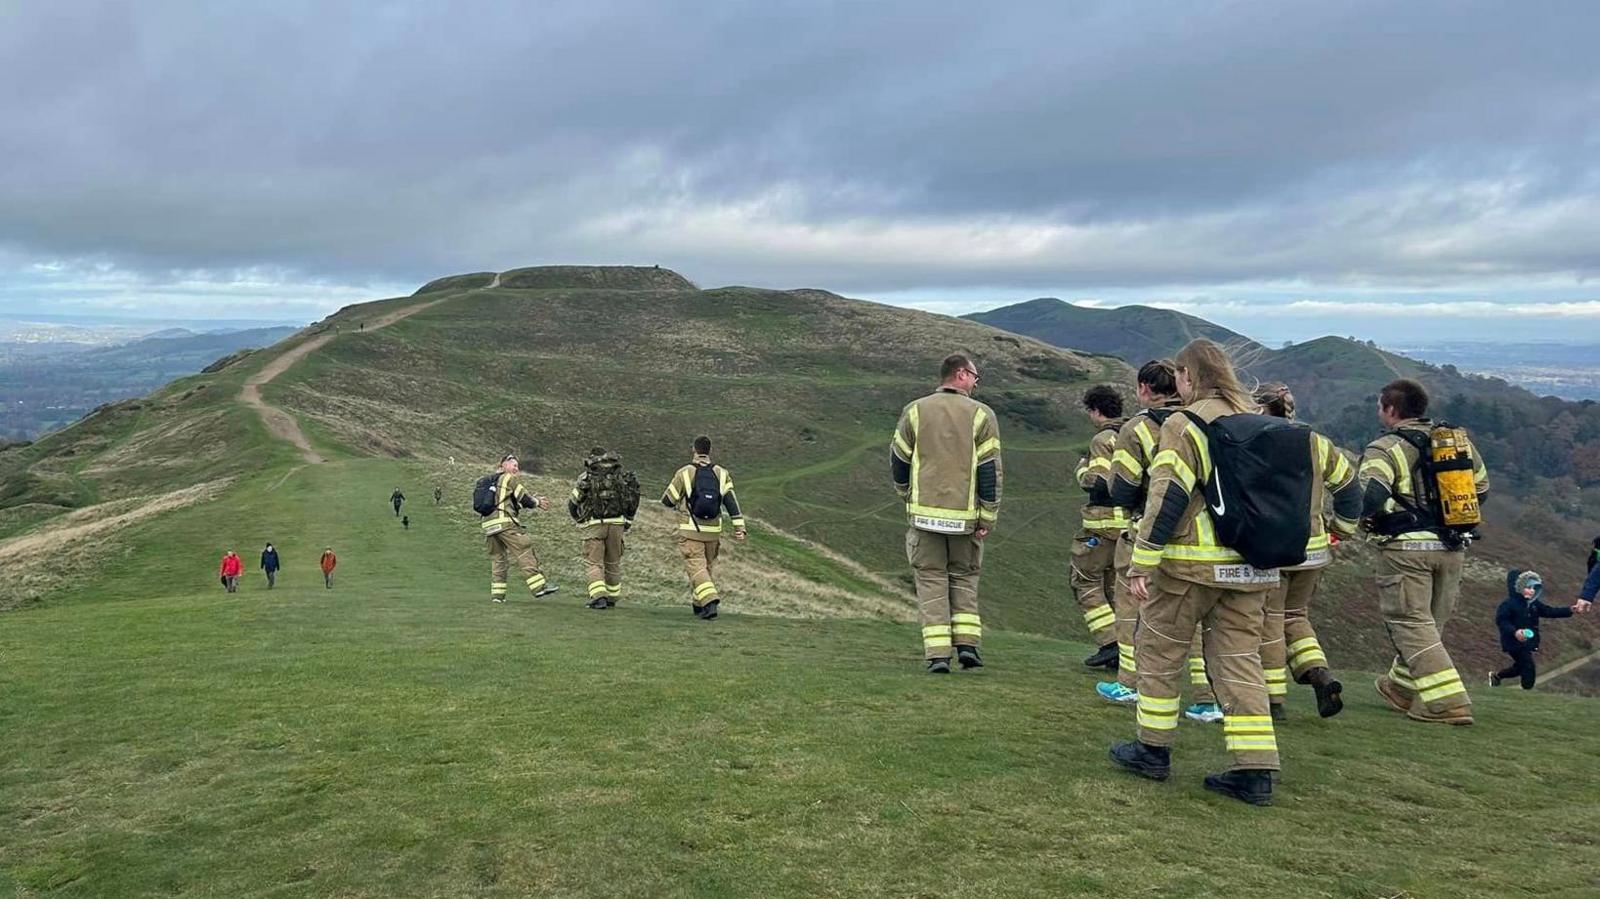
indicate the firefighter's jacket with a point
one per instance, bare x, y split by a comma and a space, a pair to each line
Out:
945, 463
678, 493
1100, 515
1176, 532
1133, 455
1389, 469
511, 496
1335, 501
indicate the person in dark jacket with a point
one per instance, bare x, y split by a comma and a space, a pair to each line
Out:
1594, 556
270, 564
1518, 620
1591, 586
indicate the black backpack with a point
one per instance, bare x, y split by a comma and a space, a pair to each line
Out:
705, 499
1259, 492
486, 494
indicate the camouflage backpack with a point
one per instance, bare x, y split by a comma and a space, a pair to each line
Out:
609, 491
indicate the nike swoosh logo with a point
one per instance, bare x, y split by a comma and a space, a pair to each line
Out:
1221, 507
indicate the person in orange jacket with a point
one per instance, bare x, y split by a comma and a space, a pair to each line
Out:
232, 568
329, 560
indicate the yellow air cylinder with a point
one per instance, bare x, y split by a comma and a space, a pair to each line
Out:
1458, 493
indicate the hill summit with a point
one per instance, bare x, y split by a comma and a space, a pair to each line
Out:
565, 277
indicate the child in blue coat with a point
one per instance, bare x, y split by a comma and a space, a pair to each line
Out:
1518, 620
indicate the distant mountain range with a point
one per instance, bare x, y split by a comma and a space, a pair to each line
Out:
47, 384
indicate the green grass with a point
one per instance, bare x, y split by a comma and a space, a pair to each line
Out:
401, 736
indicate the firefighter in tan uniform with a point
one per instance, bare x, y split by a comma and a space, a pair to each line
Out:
1132, 458
1419, 565
1094, 549
945, 464
1183, 576
507, 539
704, 490
1289, 644
603, 503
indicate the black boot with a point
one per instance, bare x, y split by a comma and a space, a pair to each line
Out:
1154, 762
709, 610
599, 602
939, 666
1104, 657
1250, 785
1279, 715
1329, 702
968, 657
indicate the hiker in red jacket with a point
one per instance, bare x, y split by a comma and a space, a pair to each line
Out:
232, 568
329, 560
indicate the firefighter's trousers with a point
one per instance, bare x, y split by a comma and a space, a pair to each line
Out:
1417, 593
1289, 646
1232, 620
512, 545
602, 558
946, 568
699, 559
1127, 630
1094, 577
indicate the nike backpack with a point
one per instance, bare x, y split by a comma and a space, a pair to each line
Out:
705, 499
486, 494
1259, 492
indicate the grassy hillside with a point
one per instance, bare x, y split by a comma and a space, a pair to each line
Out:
1134, 334
799, 389
401, 736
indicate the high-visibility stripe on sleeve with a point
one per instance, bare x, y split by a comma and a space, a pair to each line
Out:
1180, 468
1146, 558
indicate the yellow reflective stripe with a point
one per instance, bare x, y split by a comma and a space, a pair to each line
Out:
1099, 617
1200, 553
1145, 557
1157, 713
714, 527
972, 476
1402, 678
1402, 469
614, 589
1247, 724
1116, 522
988, 447
965, 618
597, 588
1317, 541
1126, 460
1126, 657
1203, 449
901, 444
1341, 469
966, 630
1438, 677
1180, 468
935, 630
1146, 439
987, 515
704, 590
936, 512
1267, 743
1158, 704
1303, 644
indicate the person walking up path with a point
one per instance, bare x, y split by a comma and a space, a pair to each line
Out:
704, 490
397, 499
1518, 621
604, 501
270, 565
327, 564
232, 568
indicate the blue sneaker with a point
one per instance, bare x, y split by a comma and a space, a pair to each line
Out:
1111, 691
1207, 712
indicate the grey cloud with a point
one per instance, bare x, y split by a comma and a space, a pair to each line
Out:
1195, 143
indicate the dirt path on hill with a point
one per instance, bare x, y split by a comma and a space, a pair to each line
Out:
280, 423
1571, 666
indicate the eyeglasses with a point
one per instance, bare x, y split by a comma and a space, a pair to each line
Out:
972, 373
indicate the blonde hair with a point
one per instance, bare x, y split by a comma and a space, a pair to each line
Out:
1211, 371
1276, 400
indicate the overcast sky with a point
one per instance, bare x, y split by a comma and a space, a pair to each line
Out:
1286, 168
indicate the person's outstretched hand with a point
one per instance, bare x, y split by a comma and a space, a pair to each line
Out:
740, 534
1582, 605
981, 532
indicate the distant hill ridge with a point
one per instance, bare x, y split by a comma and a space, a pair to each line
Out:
1134, 334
